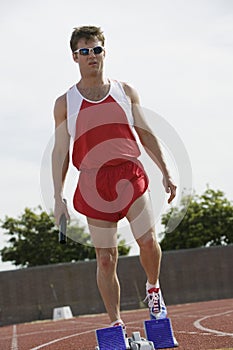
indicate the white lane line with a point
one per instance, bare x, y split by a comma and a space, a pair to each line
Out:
14, 343
198, 325
198, 333
63, 338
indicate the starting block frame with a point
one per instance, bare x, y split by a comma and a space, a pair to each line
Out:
159, 335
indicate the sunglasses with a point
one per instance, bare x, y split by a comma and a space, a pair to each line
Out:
86, 51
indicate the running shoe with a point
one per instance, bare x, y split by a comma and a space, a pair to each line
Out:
120, 323
157, 307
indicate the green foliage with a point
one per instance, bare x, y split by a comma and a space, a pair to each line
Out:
34, 241
207, 222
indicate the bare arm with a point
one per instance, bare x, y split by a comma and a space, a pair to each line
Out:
60, 157
149, 140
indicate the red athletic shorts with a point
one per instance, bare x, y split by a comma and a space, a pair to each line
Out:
108, 193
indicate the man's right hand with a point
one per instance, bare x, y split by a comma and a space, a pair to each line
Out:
59, 209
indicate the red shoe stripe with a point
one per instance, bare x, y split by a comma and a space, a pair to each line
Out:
155, 290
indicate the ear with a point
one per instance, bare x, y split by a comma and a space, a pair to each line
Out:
75, 57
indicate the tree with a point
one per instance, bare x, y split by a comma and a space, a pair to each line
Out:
34, 241
207, 222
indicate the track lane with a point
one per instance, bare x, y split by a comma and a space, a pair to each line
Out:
198, 326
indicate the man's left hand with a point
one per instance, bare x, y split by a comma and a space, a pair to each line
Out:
169, 188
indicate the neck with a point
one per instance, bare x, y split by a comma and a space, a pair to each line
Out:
92, 80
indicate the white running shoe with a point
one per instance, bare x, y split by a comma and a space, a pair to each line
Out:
157, 307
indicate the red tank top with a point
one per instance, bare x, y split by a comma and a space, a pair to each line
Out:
102, 131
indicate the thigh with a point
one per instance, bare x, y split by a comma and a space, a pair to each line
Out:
103, 233
141, 216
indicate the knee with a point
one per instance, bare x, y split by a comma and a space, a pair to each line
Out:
107, 259
148, 242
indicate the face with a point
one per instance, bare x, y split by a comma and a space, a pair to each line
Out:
92, 63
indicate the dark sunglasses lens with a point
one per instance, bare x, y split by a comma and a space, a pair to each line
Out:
84, 52
97, 50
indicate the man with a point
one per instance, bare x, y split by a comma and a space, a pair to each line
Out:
102, 117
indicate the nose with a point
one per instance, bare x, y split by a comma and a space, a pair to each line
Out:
91, 52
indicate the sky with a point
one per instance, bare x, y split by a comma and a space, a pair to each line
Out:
177, 54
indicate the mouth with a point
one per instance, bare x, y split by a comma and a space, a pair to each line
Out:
92, 63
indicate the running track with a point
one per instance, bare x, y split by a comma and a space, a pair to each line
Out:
199, 326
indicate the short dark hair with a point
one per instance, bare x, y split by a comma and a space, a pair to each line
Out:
86, 32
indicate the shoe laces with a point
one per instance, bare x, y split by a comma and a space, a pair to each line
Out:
153, 299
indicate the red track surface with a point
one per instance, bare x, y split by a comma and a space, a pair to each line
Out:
199, 326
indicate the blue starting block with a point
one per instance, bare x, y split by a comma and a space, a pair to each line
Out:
160, 333
111, 338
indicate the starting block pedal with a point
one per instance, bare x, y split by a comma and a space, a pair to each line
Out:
111, 338
160, 333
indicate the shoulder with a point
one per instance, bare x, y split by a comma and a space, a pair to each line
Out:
61, 101
60, 108
131, 92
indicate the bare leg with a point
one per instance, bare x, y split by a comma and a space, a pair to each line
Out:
140, 216
104, 237
150, 256
107, 281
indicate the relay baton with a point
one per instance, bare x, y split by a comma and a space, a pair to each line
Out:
62, 228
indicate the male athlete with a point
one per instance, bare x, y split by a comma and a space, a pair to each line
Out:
102, 118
